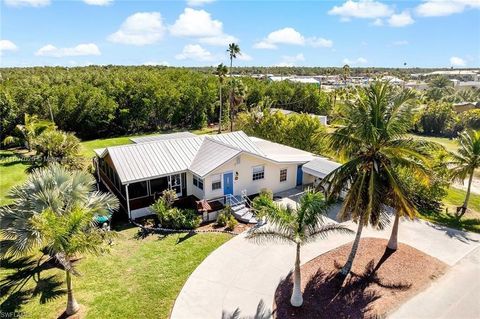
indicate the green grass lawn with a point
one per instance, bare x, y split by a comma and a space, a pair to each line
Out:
455, 197
12, 172
449, 144
139, 278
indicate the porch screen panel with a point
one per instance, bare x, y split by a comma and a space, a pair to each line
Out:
139, 189
158, 185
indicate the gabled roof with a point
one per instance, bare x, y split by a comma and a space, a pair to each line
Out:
211, 155
162, 137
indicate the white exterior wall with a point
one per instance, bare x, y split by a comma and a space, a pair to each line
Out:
192, 189
271, 180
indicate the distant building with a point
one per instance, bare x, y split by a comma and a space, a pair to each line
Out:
465, 106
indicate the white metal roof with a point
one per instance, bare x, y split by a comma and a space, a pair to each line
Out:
282, 153
320, 167
142, 161
211, 155
199, 153
162, 137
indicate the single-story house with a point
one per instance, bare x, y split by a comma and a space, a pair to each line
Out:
202, 167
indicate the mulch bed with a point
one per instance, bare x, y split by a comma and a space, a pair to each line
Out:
240, 228
380, 282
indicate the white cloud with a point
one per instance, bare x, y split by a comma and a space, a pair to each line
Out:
359, 61
98, 2
400, 42
157, 63
196, 23
79, 50
438, 8
456, 61
7, 45
291, 36
194, 52
220, 40
27, 3
364, 9
244, 57
319, 42
291, 60
199, 24
140, 28
401, 19
194, 3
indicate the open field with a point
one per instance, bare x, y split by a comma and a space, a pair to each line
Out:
140, 278
449, 144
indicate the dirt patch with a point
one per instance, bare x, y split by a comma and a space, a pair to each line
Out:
379, 283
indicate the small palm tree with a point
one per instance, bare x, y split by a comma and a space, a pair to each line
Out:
346, 73
373, 139
27, 133
233, 50
297, 226
221, 71
54, 211
465, 162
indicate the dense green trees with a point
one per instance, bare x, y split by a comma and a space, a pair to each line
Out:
104, 101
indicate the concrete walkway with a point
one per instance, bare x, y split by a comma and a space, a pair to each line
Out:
240, 275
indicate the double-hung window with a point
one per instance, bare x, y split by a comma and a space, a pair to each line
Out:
283, 175
216, 182
258, 172
197, 181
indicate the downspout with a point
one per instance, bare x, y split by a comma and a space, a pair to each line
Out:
128, 202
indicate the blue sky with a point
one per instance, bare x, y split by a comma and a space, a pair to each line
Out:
426, 33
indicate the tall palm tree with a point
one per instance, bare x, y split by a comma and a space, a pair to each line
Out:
233, 50
54, 211
297, 226
465, 162
374, 142
221, 71
27, 133
346, 73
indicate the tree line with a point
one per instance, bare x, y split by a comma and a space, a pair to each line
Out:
99, 101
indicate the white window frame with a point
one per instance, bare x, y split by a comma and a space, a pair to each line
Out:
216, 178
286, 175
259, 175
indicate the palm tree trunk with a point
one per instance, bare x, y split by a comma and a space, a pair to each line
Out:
231, 95
297, 299
72, 305
393, 242
463, 209
348, 265
220, 112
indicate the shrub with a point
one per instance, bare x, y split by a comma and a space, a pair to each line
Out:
175, 218
223, 216
231, 223
263, 203
470, 119
57, 146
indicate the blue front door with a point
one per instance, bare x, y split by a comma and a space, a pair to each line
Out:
228, 183
299, 175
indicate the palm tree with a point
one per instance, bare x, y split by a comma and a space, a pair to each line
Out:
373, 141
465, 162
54, 211
346, 72
297, 226
233, 50
220, 72
27, 133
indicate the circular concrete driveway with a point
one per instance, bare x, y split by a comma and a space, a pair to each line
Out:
241, 275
